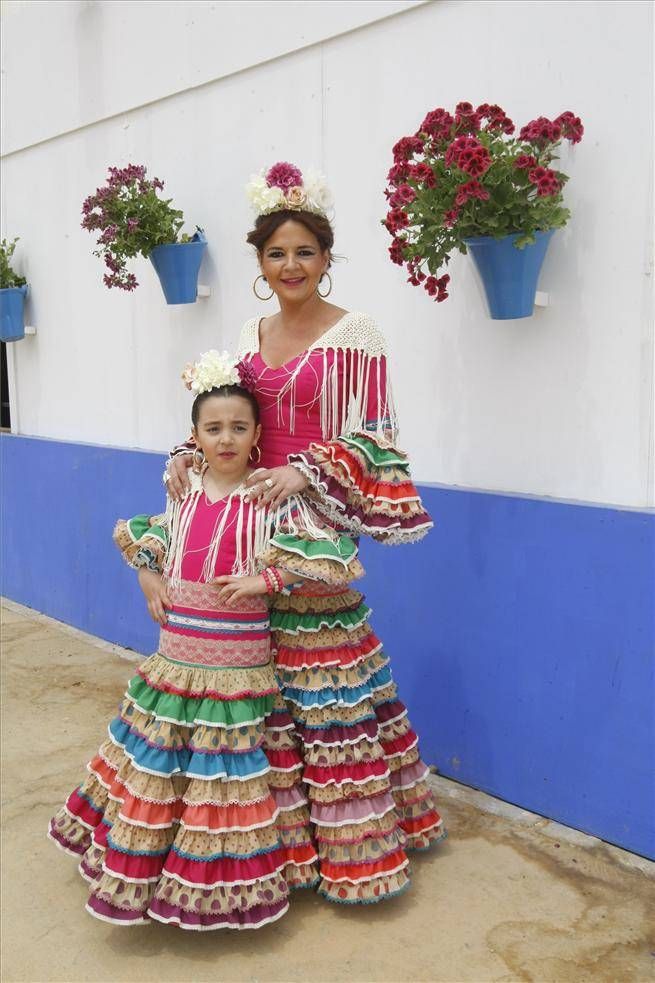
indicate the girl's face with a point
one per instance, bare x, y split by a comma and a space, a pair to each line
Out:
293, 263
226, 433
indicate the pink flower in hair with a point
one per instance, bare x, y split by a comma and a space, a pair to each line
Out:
284, 175
247, 376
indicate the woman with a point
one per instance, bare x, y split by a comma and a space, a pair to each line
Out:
329, 432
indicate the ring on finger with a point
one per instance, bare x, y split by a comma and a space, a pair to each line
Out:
268, 482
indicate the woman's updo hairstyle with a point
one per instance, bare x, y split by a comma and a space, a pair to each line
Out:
318, 225
224, 391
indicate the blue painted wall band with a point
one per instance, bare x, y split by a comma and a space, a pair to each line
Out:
521, 631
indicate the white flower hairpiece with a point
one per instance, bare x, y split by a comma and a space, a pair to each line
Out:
282, 186
215, 369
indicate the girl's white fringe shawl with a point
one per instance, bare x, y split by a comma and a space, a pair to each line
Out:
253, 532
344, 404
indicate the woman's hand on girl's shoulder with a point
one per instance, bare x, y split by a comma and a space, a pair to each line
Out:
177, 471
156, 594
272, 486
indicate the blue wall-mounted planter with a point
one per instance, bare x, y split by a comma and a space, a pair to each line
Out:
12, 323
509, 275
177, 265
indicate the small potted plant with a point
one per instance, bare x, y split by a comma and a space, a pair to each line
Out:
133, 220
464, 181
13, 289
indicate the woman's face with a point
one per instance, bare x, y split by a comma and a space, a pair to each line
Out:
226, 433
293, 263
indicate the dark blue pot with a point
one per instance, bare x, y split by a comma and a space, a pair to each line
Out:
509, 275
12, 325
177, 265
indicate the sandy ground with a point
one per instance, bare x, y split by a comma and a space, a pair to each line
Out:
508, 896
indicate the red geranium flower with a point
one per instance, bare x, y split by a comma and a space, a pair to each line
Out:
407, 147
424, 174
572, 128
523, 161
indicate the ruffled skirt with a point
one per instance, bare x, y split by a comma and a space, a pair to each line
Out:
193, 811
369, 801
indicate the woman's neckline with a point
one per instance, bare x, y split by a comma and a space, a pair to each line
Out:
294, 358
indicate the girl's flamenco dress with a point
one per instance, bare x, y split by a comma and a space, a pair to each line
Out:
193, 811
330, 413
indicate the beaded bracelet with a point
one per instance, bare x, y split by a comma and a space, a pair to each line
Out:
273, 580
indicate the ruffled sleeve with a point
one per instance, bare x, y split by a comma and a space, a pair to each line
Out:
358, 478
363, 485
302, 546
143, 541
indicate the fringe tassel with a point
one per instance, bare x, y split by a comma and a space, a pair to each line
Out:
253, 533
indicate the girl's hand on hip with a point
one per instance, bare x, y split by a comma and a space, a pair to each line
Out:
231, 589
177, 469
272, 486
154, 589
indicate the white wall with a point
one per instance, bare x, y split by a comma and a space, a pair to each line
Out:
560, 404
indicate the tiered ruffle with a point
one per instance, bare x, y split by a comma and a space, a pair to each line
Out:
193, 812
363, 485
366, 782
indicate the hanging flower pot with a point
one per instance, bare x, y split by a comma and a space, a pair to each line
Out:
466, 180
509, 275
13, 289
134, 221
177, 265
12, 325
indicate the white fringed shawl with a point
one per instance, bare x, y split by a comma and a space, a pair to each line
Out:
294, 516
344, 412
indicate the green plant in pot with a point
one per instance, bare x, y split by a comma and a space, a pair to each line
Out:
132, 220
465, 181
13, 289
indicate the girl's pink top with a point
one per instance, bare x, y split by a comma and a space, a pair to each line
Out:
277, 440
204, 521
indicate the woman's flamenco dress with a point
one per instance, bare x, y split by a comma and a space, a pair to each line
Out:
329, 411
193, 811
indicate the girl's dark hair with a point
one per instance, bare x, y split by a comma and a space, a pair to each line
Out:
266, 225
224, 391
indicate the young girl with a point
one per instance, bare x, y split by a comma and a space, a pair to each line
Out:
193, 811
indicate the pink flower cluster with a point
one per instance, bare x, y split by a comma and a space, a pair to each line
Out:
471, 189
542, 131
434, 286
284, 175
468, 154
546, 180
247, 376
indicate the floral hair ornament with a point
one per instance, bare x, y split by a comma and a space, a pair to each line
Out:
283, 187
216, 369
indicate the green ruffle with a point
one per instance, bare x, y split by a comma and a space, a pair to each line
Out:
187, 711
379, 457
139, 526
342, 551
293, 622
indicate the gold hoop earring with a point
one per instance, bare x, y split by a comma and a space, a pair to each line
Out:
256, 447
198, 461
254, 288
329, 290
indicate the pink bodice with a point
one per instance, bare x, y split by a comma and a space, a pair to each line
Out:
277, 441
204, 521
280, 403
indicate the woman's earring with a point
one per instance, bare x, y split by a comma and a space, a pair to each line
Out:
329, 290
254, 288
256, 447
198, 460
